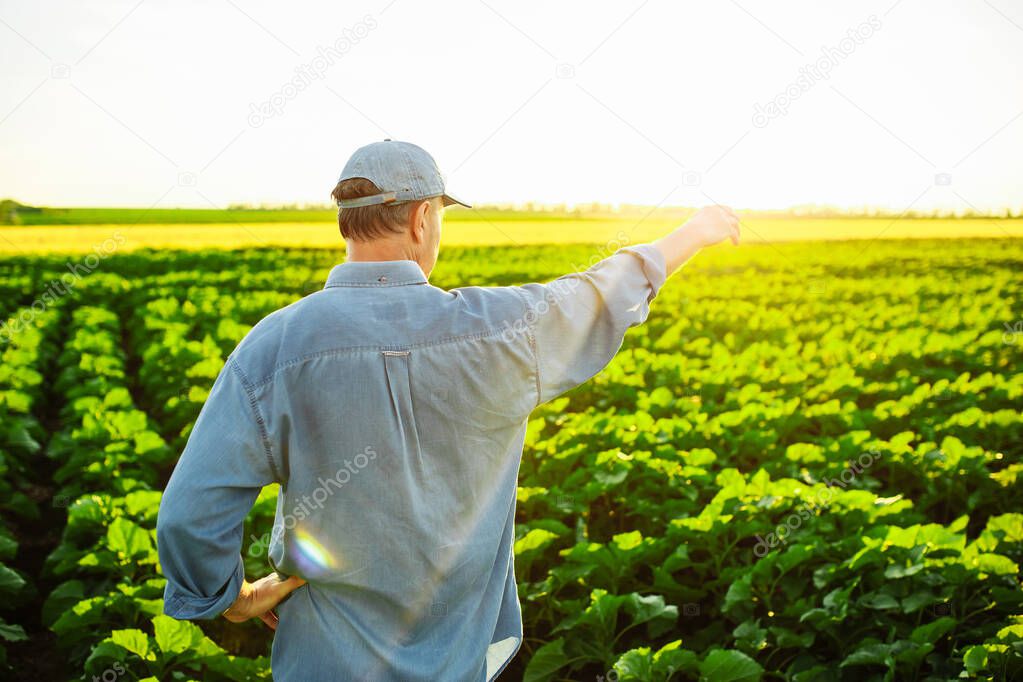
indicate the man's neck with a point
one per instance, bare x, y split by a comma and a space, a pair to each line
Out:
379, 250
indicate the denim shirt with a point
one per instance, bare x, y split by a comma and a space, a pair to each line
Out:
393, 414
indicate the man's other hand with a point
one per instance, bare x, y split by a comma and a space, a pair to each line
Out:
258, 599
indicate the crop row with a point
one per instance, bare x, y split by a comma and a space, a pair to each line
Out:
111, 461
21, 393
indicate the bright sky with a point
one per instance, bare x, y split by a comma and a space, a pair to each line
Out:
154, 102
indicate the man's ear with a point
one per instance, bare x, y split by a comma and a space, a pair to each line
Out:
417, 221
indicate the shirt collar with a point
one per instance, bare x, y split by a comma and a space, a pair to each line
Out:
388, 273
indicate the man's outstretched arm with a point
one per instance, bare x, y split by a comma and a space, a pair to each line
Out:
577, 323
226, 462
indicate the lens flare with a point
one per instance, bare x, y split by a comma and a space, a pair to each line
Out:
311, 556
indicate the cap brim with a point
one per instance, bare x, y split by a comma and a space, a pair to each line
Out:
449, 200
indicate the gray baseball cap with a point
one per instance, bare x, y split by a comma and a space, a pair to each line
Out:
403, 172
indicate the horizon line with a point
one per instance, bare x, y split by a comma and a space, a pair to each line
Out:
13, 206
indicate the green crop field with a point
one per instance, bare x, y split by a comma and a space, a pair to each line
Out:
807, 465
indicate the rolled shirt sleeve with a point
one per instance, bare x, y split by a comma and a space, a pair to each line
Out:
226, 461
578, 321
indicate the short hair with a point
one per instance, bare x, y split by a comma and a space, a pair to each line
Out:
368, 222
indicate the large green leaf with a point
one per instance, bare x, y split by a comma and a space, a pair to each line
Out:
975, 659
533, 540
104, 652
63, 597
726, 665
929, 633
10, 582
176, 637
128, 539
12, 632
635, 665
135, 641
8, 545
870, 652
651, 609
548, 659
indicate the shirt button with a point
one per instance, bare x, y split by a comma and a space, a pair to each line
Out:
382, 278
